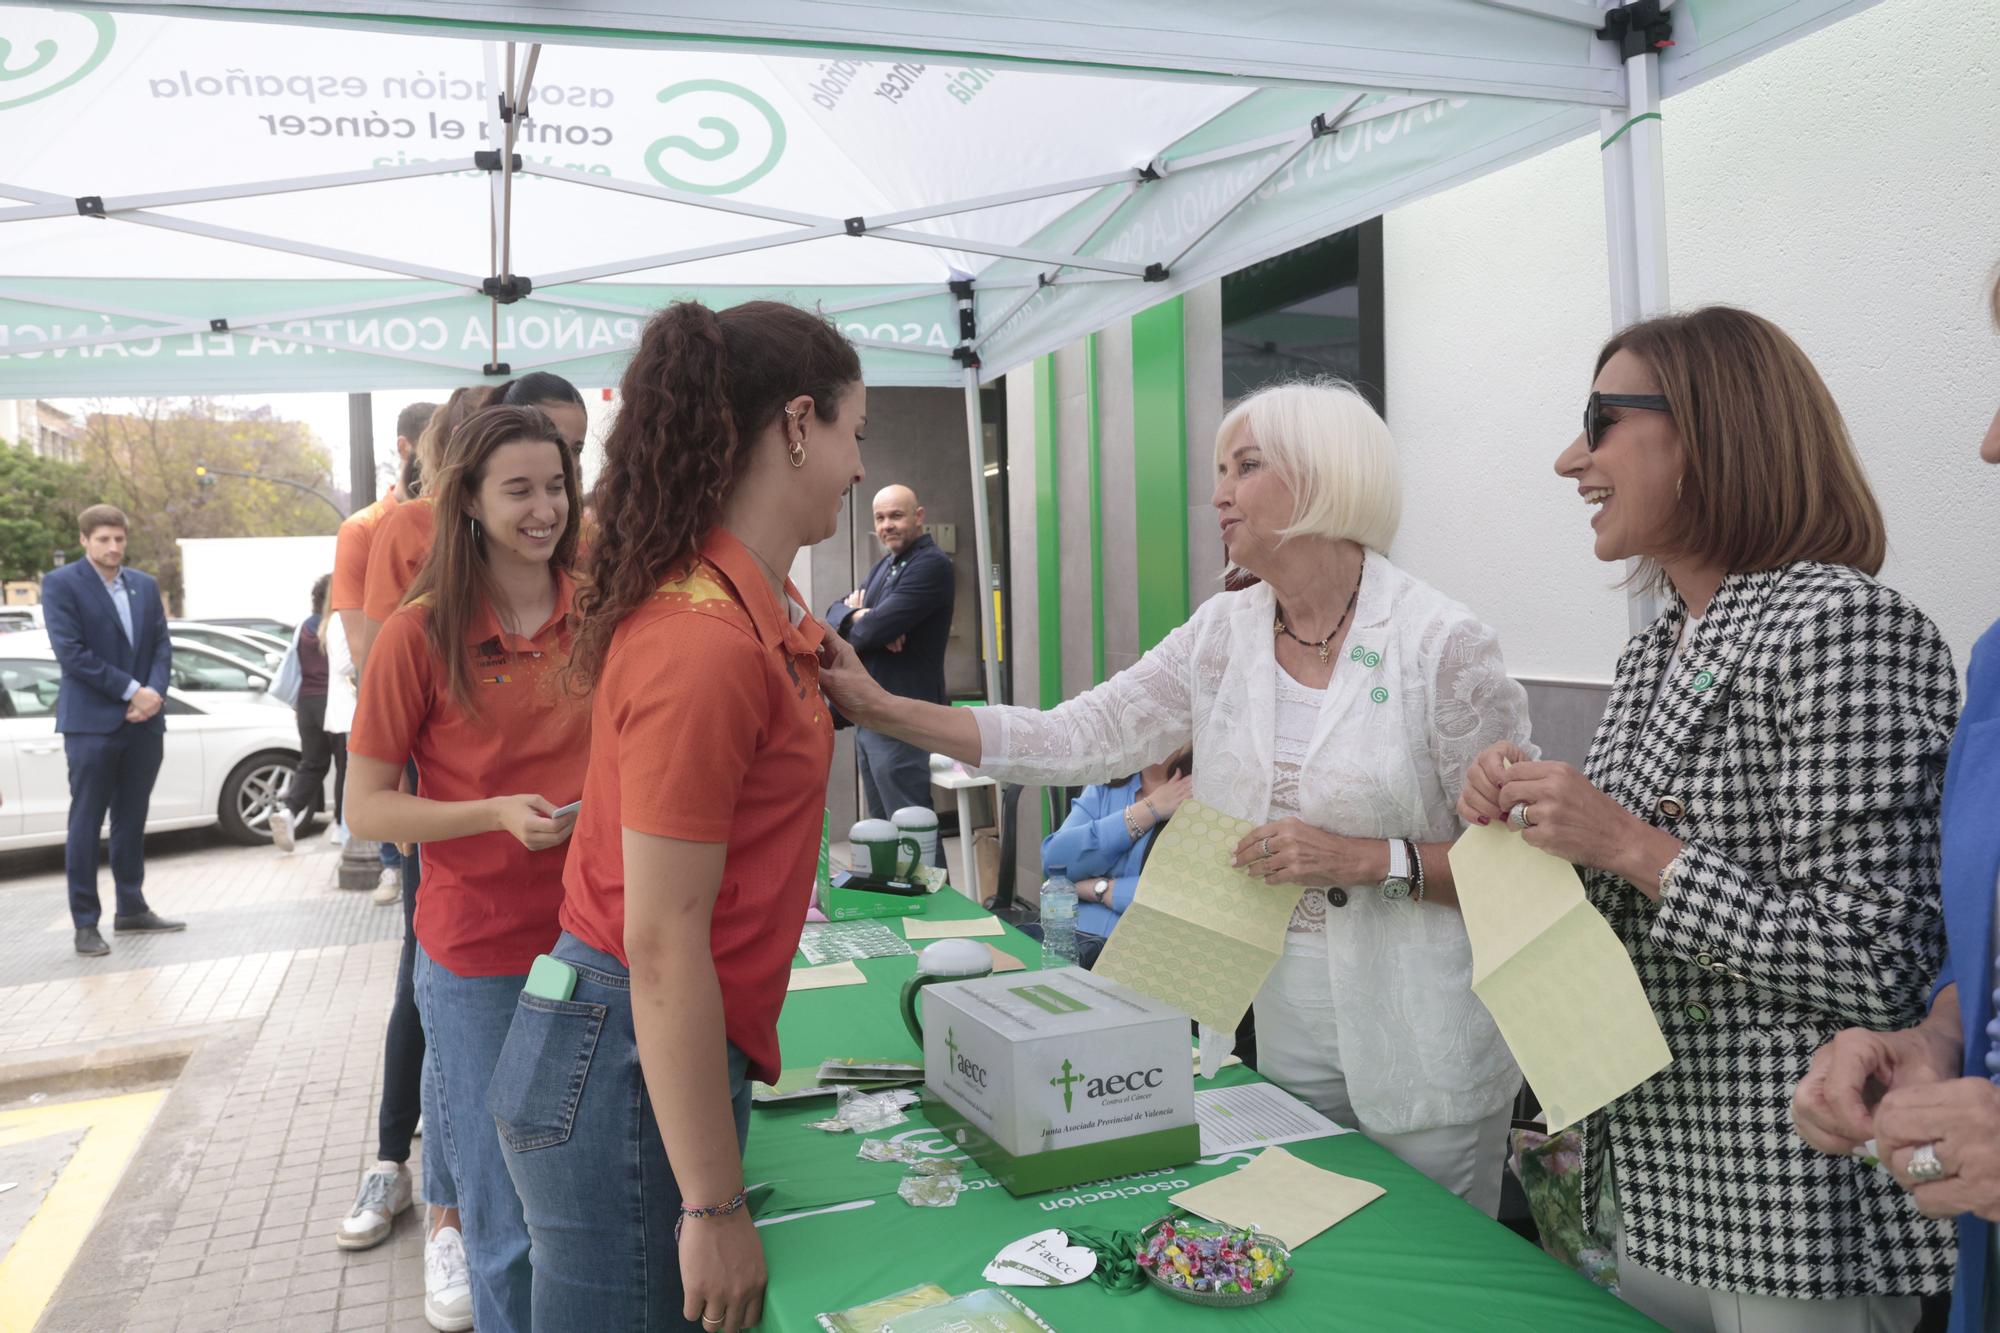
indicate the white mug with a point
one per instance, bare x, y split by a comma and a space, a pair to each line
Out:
920, 822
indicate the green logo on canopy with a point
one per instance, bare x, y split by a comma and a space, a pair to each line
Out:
20, 74
1703, 680
721, 142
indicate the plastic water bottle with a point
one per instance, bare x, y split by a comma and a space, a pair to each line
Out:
1058, 922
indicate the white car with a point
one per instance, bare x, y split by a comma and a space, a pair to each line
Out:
252, 647
230, 752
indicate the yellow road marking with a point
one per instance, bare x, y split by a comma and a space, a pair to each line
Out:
31, 1271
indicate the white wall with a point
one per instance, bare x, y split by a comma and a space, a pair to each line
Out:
252, 576
1847, 187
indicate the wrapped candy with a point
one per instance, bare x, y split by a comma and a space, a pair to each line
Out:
1212, 1260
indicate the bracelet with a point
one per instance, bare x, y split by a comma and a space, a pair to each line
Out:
1671, 872
717, 1210
1417, 871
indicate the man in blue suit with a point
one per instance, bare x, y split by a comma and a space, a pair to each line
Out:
899, 621
109, 633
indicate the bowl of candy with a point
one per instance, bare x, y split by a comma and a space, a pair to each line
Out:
1205, 1263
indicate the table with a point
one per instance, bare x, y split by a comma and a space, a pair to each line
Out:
961, 785
836, 1233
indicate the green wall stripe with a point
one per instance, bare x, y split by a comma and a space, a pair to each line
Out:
1048, 537
1093, 443
1159, 467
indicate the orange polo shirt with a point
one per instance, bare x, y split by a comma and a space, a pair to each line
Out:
708, 726
350, 553
402, 541
489, 904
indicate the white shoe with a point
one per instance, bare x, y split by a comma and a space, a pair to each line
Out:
447, 1282
337, 834
385, 1191
282, 832
388, 886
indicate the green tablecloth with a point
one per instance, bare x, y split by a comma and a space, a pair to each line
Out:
836, 1233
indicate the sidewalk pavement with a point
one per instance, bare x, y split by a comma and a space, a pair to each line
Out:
264, 1023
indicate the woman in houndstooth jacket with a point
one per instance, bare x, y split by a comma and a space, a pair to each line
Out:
1758, 821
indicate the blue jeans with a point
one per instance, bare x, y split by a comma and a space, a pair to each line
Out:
391, 858
584, 1149
465, 1025
111, 773
893, 774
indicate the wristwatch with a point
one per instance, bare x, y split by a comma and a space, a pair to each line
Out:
1102, 896
1398, 884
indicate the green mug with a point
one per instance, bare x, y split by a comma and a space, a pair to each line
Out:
877, 848
946, 960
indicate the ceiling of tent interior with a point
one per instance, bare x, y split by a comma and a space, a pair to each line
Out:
291, 200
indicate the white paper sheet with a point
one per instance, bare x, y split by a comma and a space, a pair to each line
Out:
1256, 1115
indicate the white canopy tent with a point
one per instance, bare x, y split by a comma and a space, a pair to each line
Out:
378, 194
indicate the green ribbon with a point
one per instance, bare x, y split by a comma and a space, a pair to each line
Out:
1644, 115
1117, 1257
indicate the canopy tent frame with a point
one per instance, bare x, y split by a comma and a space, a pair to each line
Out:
1630, 130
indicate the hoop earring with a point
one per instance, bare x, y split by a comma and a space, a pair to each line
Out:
1679, 482
797, 450
472, 527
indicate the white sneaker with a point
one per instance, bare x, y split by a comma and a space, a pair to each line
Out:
337, 834
447, 1282
385, 1191
282, 832
388, 886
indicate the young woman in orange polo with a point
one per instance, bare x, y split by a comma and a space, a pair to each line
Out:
463, 680
623, 1093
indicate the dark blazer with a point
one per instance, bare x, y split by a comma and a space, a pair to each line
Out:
1798, 752
908, 597
1971, 869
97, 661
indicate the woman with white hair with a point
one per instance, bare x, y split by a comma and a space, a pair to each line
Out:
1335, 704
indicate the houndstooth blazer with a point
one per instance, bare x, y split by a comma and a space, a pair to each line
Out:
1798, 752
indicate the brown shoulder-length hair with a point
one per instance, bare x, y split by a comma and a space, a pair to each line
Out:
455, 578
1770, 475
422, 465
700, 389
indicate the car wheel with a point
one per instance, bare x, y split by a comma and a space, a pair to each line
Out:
254, 789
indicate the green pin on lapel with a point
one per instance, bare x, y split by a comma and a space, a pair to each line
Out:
1702, 680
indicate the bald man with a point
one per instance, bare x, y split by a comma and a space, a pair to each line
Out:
898, 622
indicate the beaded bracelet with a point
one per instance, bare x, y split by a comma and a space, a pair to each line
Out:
717, 1210
1416, 863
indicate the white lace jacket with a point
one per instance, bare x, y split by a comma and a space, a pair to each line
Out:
1419, 690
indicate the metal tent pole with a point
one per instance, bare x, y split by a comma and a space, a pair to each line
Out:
1635, 196
360, 452
982, 533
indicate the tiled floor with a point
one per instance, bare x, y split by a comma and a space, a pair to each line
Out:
224, 1219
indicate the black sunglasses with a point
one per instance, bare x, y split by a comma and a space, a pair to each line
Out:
1595, 422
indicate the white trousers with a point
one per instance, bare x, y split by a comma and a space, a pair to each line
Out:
1686, 1308
1298, 1050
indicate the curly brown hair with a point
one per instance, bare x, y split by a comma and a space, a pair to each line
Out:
455, 579
700, 389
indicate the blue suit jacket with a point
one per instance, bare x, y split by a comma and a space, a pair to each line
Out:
97, 660
910, 599
1971, 868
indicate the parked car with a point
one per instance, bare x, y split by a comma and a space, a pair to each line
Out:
20, 617
230, 752
277, 629
252, 648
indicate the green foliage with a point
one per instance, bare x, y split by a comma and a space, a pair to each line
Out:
143, 461
39, 500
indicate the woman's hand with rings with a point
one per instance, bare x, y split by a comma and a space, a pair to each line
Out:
1958, 1120
1479, 798
1568, 817
1292, 851
722, 1271
1834, 1105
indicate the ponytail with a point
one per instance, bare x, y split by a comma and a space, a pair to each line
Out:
701, 388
